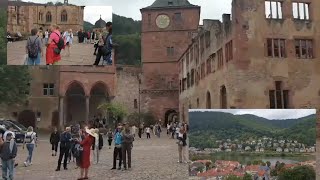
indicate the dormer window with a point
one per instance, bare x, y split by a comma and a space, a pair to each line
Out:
170, 3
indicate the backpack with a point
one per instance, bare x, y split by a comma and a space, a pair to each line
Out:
33, 48
100, 141
60, 44
29, 138
77, 150
105, 50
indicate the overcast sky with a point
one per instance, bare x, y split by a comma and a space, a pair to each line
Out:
210, 9
92, 13
267, 113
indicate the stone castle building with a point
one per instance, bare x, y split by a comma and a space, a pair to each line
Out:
167, 26
22, 17
62, 95
263, 55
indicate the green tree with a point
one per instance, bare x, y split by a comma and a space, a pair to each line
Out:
3, 35
116, 110
50, 3
247, 177
233, 177
14, 86
298, 173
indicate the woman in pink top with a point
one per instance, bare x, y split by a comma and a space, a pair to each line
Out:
51, 56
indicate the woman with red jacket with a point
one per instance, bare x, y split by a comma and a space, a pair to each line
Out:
85, 160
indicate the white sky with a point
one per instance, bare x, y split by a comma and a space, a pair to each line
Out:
92, 13
267, 113
210, 9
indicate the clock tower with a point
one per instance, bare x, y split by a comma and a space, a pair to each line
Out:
167, 27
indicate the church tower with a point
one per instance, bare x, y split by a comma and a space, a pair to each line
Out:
167, 27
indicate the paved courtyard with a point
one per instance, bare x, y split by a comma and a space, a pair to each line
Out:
80, 54
152, 159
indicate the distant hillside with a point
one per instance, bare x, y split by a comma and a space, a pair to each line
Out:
210, 126
126, 33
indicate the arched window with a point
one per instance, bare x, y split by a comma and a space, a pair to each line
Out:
48, 17
223, 97
64, 16
40, 16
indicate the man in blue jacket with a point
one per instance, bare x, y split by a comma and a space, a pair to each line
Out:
117, 148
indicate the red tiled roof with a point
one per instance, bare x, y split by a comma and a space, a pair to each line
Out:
253, 168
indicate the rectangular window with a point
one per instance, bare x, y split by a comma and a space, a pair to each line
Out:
135, 103
202, 44
209, 66
149, 19
279, 98
48, 89
304, 48
207, 39
273, 9
203, 70
220, 58
170, 51
229, 51
272, 99
178, 17
192, 77
300, 10
276, 48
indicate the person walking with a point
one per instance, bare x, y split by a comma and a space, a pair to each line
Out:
140, 130
133, 130
65, 145
127, 144
68, 36
85, 160
168, 129
105, 47
148, 130
51, 56
182, 145
30, 140
54, 141
46, 36
117, 151
34, 48
8, 155
110, 137
96, 146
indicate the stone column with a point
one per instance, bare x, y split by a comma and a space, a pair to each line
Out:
87, 107
61, 112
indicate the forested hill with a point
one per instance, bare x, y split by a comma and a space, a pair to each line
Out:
220, 125
126, 33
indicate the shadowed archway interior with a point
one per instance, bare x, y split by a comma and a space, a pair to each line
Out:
27, 118
75, 103
98, 95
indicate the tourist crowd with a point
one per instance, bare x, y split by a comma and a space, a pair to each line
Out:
55, 40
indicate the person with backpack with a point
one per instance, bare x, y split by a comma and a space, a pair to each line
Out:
8, 155
54, 141
34, 48
55, 44
105, 47
30, 139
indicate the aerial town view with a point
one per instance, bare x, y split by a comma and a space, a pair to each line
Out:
252, 144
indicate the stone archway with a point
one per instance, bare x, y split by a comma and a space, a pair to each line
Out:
170, 116
98, 95
27, 118
75, 103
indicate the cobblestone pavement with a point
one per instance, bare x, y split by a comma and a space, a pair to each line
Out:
80, 54
152, 159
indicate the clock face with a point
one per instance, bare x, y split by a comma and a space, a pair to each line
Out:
163, 21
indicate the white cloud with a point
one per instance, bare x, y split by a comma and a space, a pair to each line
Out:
266, 113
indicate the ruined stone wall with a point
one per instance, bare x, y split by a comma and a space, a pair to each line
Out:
251, 74
127, 87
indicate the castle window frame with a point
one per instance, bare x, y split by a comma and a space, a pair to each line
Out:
48, 17
279, 97
135, 104
229, 51
276, 48
304, 48
273, 9
301, 10
170, 51
178, 17
220, 58
64, 16
149, 19
48, 89
40, 16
